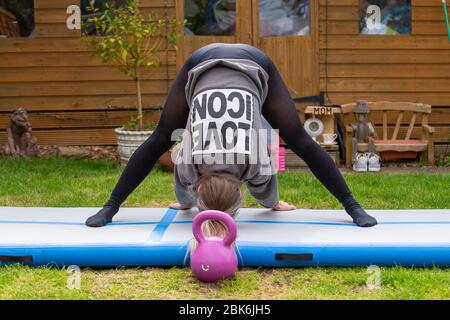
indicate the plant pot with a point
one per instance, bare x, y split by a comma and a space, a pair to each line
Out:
166, 161
128, 142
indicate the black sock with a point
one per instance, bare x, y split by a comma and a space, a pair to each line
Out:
104, 216
359, 216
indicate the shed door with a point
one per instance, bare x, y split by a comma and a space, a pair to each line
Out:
287, 30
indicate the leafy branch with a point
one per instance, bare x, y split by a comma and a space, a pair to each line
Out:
130, 40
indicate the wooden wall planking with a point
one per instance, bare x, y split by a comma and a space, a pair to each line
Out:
72, 98
87, 119
412, 67
66, 88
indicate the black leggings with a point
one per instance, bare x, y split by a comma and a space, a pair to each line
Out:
278, 108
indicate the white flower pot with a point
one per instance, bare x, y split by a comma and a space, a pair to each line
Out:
128, 142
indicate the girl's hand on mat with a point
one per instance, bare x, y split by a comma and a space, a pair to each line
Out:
284, 206
177, 206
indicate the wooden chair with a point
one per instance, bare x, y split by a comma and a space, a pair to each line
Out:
9, 26
394, 146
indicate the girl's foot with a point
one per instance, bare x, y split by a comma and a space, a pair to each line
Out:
284, 206
362, 218
177, 206
102, 218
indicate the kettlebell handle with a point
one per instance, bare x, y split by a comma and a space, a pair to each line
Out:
214, 215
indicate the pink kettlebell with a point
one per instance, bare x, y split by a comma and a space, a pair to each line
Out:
214, 258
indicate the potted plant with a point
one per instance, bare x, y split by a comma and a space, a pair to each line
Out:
131, 41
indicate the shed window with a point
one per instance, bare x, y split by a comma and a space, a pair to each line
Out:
385, 17
284, 17
210, 17
16, 18
87, 13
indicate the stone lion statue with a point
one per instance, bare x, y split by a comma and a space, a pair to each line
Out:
21, 141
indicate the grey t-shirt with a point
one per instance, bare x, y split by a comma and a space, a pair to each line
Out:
223, 132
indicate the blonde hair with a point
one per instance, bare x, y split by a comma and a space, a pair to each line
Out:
217, 191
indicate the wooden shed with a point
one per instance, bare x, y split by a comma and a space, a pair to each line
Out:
75, 100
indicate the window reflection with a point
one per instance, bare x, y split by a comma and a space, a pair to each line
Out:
385, 17
210, 17
284, 17
16, 18
86, 13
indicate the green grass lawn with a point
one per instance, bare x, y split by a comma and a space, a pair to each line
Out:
74, 183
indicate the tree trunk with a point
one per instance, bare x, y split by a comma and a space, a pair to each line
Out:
139, 103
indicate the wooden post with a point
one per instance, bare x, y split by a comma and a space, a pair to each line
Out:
430, 149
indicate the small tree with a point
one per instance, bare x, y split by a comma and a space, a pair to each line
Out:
130, 40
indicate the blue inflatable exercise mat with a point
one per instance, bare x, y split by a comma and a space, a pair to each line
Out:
160, 237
